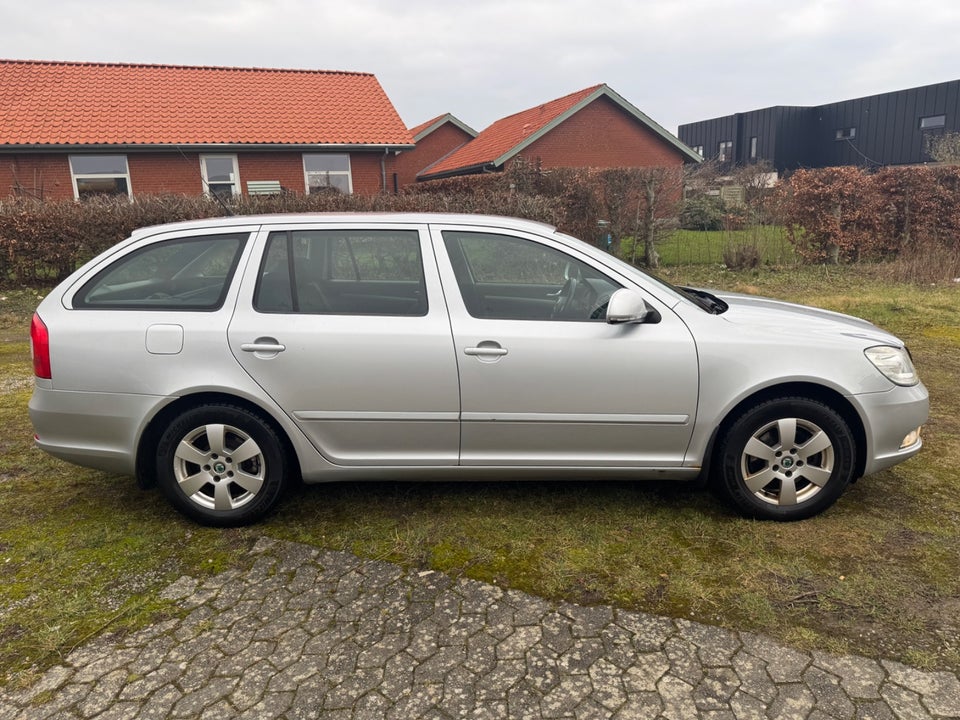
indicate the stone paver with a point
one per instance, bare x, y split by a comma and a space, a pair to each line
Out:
311, 634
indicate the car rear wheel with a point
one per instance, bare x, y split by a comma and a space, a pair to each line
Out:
221, 465
786, 459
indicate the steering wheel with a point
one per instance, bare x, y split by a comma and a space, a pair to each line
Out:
573, 278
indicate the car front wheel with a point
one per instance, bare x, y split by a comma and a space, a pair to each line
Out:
221, 465
786, 459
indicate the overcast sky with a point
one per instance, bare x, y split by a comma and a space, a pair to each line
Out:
676, 60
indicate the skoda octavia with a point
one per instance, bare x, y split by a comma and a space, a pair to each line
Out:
222, 359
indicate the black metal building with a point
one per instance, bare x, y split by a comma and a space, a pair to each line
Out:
889, 129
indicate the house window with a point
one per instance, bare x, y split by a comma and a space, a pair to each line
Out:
846, 133
698, 149
725, 151
930, 122
99, 175
753, 148
220, 175
324, 171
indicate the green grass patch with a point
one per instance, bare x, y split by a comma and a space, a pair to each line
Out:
82, 552
706, 247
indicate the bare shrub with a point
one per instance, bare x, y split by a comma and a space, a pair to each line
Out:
742, 256
928, 263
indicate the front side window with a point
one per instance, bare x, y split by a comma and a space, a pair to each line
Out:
509, 278
753, 148
327, 172
725, 151
342, 272
221, 177
185, 274
99, 175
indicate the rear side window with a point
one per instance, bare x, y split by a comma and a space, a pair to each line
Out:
342, 272
186, 274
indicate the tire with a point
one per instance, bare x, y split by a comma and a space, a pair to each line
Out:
205, 474
786, 459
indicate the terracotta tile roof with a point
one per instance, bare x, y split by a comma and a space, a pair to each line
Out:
65, 103
509, 136
414, 131
509, 132
423, 129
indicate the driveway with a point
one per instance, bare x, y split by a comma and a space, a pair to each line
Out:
312, 634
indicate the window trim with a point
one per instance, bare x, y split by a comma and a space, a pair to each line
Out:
84, 176
348, 172
942, 118
237, 188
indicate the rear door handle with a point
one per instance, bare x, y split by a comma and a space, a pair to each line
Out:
263, 345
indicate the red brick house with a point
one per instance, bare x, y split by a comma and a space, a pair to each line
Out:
594, 127
72, 129
435, 139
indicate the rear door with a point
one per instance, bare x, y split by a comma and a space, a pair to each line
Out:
345, 327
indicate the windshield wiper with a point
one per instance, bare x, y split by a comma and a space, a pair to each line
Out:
710, 303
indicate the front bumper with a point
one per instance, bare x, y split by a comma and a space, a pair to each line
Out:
889, 417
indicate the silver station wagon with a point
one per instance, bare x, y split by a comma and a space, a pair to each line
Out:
222, 359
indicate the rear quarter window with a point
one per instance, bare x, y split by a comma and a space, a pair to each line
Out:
183, 274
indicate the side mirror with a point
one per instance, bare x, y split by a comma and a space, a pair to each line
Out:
628, 306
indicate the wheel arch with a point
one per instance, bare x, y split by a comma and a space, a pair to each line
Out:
150, 437
811, 391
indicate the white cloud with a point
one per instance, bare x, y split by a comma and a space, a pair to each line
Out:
677, 60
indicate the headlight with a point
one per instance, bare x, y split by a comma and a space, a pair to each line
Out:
894, 363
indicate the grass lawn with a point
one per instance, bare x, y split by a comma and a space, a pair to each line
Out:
695, 247
82, 552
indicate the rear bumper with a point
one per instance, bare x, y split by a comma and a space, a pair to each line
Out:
97, 430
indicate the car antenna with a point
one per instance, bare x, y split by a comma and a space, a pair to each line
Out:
220, 201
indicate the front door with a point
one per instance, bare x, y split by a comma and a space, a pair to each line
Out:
544, 380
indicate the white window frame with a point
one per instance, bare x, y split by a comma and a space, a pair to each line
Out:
348, 173
90, 176
235, 181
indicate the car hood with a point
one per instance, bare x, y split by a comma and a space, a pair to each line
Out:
761, 312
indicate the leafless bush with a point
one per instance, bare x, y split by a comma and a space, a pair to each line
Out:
925, 264
742, 256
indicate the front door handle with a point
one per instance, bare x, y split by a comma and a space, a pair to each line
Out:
488, 350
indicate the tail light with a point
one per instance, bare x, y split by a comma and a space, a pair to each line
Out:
40, 348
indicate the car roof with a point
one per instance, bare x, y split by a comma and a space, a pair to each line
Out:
372, 218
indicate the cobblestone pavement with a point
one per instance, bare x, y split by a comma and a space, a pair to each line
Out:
311, 634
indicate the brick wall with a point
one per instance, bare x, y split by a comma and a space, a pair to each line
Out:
46, 176
440, 143
602, 135
163, 173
